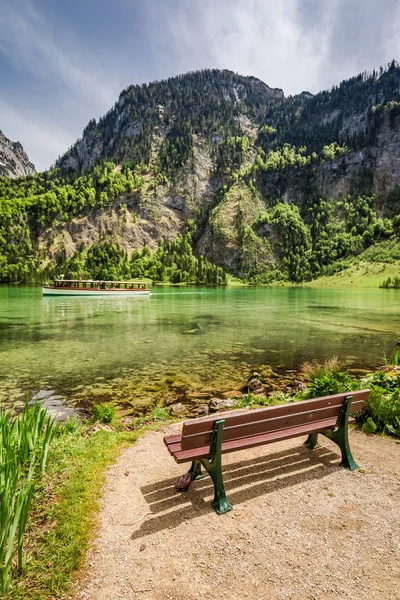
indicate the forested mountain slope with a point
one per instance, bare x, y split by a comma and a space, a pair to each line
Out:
266, 187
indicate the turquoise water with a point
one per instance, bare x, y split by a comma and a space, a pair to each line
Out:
127, 348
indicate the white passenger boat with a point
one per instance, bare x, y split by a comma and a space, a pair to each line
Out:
88, 287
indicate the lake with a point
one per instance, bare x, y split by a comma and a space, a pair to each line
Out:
137, 351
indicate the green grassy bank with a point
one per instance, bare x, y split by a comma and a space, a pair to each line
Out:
362, 274
65, 506
370, 269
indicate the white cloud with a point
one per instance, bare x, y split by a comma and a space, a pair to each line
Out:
292, 44
39, 136
55, 53
61, 78
65, 86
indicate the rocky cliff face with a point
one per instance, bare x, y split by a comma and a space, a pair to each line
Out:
214, 153
146, 117
14, 161
204, 112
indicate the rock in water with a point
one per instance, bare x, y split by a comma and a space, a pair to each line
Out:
221, 403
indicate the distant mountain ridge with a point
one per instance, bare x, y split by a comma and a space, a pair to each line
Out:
209, 102
14, 161
269, 188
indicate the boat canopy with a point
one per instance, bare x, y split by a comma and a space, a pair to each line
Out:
97, 281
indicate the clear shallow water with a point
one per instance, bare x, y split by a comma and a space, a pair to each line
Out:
128, 349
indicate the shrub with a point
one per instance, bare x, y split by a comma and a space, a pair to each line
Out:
369, 426
331, 383
312, 370
105, 413
384, 411
327, 378
383, 381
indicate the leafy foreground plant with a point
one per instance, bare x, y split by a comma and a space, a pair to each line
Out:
160, 413
382, 412
251, 400
65, 506
327, 379
24, 444
396, 357
105, 413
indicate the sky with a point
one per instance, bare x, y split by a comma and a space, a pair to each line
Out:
63, 62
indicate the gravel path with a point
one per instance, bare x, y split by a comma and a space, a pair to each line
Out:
301, 528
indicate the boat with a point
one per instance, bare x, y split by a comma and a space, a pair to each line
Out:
89, 287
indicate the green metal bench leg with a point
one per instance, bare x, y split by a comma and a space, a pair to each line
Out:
195, 471
312, 441
341, 436
213, 467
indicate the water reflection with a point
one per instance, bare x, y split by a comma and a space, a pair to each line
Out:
65, 343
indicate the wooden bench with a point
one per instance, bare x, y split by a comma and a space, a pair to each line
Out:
204, 440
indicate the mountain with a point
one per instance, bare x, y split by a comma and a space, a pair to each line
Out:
266, 187
14, 161
162, 117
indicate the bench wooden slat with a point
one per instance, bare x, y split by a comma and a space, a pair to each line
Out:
258, 427
173, 448
183, 456
239, 417
172, 439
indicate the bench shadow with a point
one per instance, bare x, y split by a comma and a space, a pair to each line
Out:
243, 480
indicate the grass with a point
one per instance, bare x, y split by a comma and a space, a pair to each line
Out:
66, 502
370, 269
65, 508
326, 379
381, 413
24, 445
105, 413
361, 274
160, 413
253, 401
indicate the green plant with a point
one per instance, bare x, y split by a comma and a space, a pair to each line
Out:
71, 425
327, 378
384, 411
396, 357
381, 380
312, 370
159, 413
331, 383
251, 400
24, 444
369, 426
105, 413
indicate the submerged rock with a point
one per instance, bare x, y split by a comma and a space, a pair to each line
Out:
254, 385
177, 410
221, 403
200, 410
295, 386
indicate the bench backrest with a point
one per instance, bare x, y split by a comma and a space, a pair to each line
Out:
242, 424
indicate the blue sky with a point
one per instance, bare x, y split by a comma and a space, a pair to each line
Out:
63, 62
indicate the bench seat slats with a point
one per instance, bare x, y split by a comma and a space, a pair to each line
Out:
182, 456
239, 417
172, 439
173, 448
260, 426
